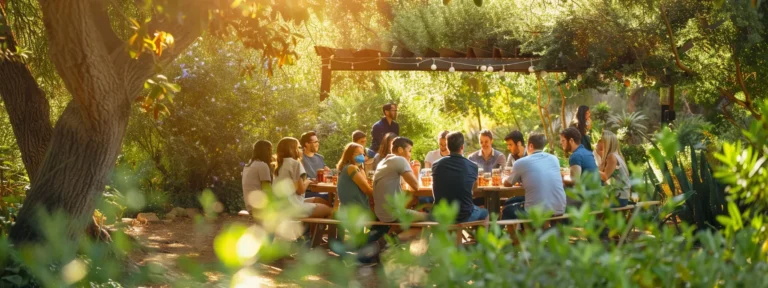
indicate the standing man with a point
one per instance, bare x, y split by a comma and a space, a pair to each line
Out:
582, 161
455, 177
385, 125
433, 156
487, 158
516, 147
539, 173
312, 161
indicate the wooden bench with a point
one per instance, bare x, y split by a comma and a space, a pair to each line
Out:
321, 223
512, 225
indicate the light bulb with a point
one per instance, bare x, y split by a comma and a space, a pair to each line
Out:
483, 68
433, 67
490, 69
544, 74
531, 69
451, 69
501, 73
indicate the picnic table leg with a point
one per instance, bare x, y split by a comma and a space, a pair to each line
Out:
494, 202
317, 237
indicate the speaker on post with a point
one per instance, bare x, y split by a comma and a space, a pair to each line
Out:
667, 114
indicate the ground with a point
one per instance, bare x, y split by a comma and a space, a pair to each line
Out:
165, 242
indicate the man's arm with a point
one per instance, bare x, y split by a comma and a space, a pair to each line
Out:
575, 175
514, 178
410, 178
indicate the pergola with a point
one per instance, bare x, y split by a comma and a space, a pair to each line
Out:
473, 60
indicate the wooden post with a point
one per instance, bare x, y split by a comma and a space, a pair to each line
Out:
325, 80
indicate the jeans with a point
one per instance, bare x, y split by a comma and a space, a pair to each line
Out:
513, 200
513, 211
476, 215
310, 194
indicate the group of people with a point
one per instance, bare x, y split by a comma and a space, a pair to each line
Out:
454, 177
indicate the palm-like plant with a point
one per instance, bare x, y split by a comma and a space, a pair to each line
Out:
629, 125
690, 130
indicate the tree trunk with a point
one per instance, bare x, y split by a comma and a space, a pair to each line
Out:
27, 107
103, 81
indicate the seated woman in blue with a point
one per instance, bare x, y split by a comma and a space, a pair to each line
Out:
352, 186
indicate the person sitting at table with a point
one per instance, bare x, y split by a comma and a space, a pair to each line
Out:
352, 186
312, 161
434, 155
487, 157
516, 147
257, 174
614, 170
359, 137
539, 173
291, 181
581, 161
384, 149
386, 183
454, 178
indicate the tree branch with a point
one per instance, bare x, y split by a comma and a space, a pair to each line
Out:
101, 19
741, 103
740, 79
184, 34
673, 47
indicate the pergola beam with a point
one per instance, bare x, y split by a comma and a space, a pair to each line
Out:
374, 60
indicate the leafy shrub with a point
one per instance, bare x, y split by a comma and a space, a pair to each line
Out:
601, 112
634, 154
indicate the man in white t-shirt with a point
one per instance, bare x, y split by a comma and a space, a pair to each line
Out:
433, 156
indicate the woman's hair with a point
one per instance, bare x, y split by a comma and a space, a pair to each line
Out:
385, 146
610, 145
581, 119
348, 156
262, 151
288, 147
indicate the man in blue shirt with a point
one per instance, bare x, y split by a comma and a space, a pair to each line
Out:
582, 161
454, 179
385, 125
487, 157
312, 161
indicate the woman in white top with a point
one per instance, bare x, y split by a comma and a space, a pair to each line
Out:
614, 170
257, 174
433, 156
291, 181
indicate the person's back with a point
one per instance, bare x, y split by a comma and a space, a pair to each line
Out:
540, 176
348, 191
453, 179
254, 174
386, 182
583, 158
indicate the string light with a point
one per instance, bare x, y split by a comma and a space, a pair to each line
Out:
544, 74
452, 68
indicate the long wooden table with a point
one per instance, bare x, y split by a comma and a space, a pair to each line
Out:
492, 194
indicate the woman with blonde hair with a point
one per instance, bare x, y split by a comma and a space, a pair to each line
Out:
613, 169
352, 186
291, 180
